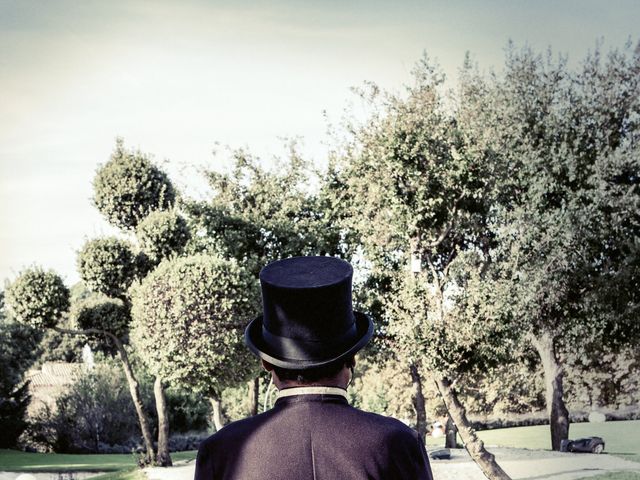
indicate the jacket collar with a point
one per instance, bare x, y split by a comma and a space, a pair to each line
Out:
314, 390
299, 395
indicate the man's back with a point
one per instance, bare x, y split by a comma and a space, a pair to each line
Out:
316, 437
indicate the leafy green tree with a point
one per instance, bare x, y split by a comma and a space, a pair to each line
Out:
40, 299
135, 196
257, 215
129, 187
18, 347
567, 220
196, 307
108, 266
417, 184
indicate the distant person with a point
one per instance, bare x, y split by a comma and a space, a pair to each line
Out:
438, 430
307, 337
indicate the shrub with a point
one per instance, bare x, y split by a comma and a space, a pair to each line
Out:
95, 411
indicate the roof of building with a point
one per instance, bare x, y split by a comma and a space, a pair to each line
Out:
54, 374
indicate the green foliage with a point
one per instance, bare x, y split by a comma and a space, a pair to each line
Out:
108, 266
188, 411
18, 350
13, 410
96, 410
102, 313
505, 389
384, 389
257, 215
129, 187
609, 379
195, 308
414, 180
38, 298
61, 347
567, 219
162, 234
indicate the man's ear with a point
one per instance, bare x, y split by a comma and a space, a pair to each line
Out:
266, 365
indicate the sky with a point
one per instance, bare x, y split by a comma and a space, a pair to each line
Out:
180, 79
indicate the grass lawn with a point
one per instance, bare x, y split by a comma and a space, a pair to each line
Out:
621, 438
15, 461
616, 476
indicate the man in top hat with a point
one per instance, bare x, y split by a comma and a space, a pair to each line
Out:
307, 337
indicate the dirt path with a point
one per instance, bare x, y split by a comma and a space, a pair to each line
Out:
520, 464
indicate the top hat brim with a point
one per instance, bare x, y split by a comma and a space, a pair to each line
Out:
255, 341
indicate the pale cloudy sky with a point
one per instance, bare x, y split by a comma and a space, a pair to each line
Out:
175, 77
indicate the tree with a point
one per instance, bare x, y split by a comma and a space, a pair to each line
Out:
567, 218
129, 187
134, 195
40, 299
108, 266
196, 307
18, 347
258, 215
417, 184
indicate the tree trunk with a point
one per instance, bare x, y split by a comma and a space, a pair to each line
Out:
163, 457
216, 413
418, 401
485, 460
254, 395
134, 388
451, 434
553, 378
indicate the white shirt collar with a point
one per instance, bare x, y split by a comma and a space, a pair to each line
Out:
288, 392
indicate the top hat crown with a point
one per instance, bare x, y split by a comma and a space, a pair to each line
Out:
307, 319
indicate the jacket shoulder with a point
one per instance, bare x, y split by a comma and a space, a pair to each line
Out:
235, 430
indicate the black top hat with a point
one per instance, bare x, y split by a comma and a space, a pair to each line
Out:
308, 320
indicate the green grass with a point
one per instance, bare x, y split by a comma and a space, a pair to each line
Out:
615, 476
621, 438
14, 461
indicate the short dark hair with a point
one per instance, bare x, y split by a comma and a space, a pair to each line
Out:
314, 374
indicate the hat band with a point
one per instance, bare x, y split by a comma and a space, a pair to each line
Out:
301, 350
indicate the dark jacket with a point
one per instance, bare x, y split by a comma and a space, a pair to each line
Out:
318, 437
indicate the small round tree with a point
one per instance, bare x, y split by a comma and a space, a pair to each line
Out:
196, 307
129, 186
107, 266
38, 298
102, 313
162, 234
